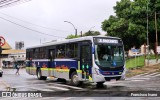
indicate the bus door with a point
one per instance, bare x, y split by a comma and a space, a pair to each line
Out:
85, 60
51, 62
51, 58
29, 63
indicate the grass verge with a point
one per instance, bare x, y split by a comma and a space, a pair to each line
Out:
135, 62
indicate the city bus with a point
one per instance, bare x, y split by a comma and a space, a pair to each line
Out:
93, 58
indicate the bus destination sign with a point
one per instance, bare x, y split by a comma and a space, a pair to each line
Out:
104, 40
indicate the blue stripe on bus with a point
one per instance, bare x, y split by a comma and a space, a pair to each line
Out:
53, 64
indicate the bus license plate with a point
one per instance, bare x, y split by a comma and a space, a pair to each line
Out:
113, 80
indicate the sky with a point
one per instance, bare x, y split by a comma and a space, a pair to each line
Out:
31, 21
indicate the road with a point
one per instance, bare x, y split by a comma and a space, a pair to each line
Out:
142, 83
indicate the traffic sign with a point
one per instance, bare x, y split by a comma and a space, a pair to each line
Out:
2, 41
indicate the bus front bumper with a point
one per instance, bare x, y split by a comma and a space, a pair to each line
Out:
102, 78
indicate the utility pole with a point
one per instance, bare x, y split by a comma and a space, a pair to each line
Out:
156, 44
147, 33
81, 34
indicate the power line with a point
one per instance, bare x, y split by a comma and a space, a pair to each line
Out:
35, 24
7, 3
30, 28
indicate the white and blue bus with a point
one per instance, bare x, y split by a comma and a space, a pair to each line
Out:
92, 58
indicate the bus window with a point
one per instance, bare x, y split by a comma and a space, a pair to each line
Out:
109, 55
52, 54
42, 53
72, 50
60, 51
31, 53
36, 53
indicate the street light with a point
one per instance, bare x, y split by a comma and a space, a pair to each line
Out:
73, 27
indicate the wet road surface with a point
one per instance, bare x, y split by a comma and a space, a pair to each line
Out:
24, 82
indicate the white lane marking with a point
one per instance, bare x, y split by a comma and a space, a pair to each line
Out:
115, 84
156, 75
152, 74
66, 86
66, 98
48, 98
138, 78
40, 89
59, 88
28, 85
141, 75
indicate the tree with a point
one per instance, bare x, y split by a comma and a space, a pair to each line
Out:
72, 36
130, 22
91, 33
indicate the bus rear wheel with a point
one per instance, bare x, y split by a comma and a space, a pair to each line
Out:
74, 79
39, 75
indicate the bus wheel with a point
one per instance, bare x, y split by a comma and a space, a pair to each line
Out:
100, 84
74, 79
39, 75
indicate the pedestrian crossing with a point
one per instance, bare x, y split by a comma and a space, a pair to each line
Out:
137, 78
50, 85
149, 75
56, 86
47, 87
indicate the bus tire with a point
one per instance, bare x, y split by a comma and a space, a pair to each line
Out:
74, 79
39, 75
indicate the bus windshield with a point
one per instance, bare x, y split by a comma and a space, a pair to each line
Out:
109, 55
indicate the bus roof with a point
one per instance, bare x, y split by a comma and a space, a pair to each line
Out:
70, 41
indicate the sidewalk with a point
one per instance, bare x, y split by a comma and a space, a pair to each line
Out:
152, 62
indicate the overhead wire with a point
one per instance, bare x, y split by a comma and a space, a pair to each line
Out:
35, 24
7, 3
30, 28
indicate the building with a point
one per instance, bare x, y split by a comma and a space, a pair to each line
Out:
9, 56
19, 45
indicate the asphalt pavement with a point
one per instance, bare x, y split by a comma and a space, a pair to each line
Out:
51, 88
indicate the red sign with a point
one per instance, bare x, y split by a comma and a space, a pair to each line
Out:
2, 41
